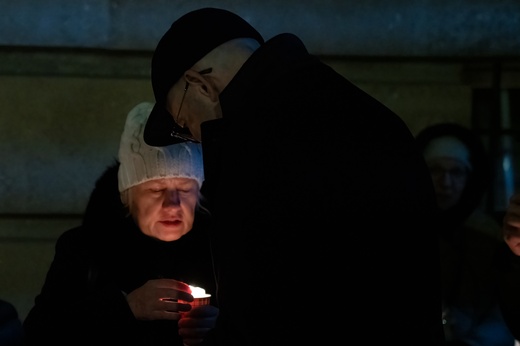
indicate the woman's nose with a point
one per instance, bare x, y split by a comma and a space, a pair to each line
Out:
446, 178
171, 198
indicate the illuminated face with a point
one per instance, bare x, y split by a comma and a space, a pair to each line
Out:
165, 208
449, 177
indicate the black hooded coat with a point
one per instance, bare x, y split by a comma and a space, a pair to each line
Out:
81, 301
316, 192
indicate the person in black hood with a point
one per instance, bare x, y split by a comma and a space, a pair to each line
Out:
125, 276
469, 238
471, 169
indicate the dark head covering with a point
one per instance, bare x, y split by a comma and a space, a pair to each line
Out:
479, 179
188, 40
11, 331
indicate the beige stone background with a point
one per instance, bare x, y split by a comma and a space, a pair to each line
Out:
71, 70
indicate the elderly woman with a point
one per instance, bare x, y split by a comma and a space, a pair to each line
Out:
123, 276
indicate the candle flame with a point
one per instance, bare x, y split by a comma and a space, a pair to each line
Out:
198, 292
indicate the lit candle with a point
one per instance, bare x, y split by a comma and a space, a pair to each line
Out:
200, 297
199, 292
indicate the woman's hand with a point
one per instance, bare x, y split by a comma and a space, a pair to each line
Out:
157, 300
194, 324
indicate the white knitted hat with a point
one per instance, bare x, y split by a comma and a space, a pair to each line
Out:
141, 162
448, 146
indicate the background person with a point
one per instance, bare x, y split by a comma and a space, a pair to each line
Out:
306, 176
508, 266
11, 331
116, 278
469, 237
511, 224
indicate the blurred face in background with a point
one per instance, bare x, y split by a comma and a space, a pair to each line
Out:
164, 208
449, 176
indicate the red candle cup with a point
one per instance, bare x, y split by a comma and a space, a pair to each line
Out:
200, 297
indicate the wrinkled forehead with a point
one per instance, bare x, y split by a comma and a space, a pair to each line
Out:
446, 162
175, 182
447, 147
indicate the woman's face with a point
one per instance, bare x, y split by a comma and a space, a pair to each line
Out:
449, 177
165, 208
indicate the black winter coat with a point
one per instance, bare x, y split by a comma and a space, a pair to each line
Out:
322, 208
81, 302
